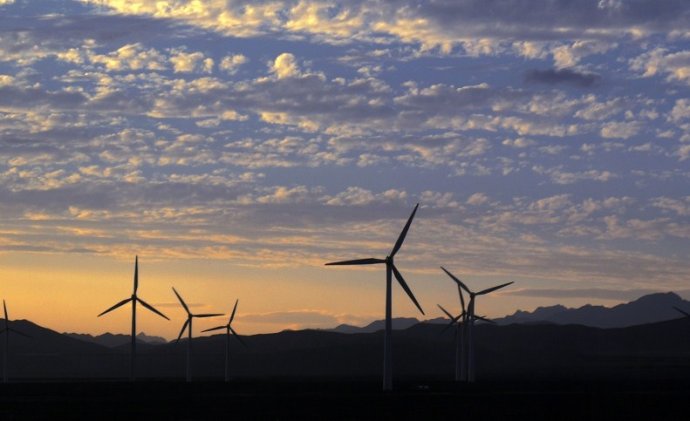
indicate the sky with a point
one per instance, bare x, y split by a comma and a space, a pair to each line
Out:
237, 146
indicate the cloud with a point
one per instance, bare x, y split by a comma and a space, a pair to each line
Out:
357, 196
232, 63
566, 56
559, 176
681, 110
303, 318
285, 66
184, 62
131, 57
562, 76
680, 206
620, 129
676, 65
478, 26
477, 199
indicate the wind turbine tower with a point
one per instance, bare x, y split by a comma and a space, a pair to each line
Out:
188, 324
7, 331
228, 329
134, 299
469, 324
391, 271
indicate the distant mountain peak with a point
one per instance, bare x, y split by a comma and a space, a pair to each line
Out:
649, 308
113, 340
153, 340
399, 323
668, 297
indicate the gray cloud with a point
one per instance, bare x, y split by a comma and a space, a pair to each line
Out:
300, 317
562, 76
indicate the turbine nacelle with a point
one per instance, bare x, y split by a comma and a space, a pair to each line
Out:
389, 261
228, 327
190, 316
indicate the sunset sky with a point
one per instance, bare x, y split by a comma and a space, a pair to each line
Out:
237, 146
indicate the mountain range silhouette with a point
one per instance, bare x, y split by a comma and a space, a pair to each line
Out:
421, 350
649, 308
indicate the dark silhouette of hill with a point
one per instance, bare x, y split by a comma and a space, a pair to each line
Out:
658, 350
647, 309
47, 353
116, 340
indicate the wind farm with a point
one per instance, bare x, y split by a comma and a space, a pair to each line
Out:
320, 160
315, 371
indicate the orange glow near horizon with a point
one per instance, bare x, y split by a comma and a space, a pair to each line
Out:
66, 293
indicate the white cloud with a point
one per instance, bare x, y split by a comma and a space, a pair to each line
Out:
231, 64
570, 55
357, 196
676, 66
477, 199
131, 57
285, 66
184, 62
620, 129
681, 110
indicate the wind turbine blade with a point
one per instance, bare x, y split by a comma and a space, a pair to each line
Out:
370, 261
19, 333
488, 290
215, 328
208, 315
445, 311
238, 337
403, 284
234, 309
462, 298
150, 307
136, 274
403, 233
181, 301
681, 311
4, 306
484, 319
458, 281
184, 326
121, 303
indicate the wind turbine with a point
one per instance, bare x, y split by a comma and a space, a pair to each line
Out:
7, 331
390, 270
134, 299
459, 340
188, 323
458, 321
469, 325
228, 329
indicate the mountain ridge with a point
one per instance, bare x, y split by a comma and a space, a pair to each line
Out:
649, 308
114, 340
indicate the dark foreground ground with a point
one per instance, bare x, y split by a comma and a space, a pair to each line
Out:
277, 399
